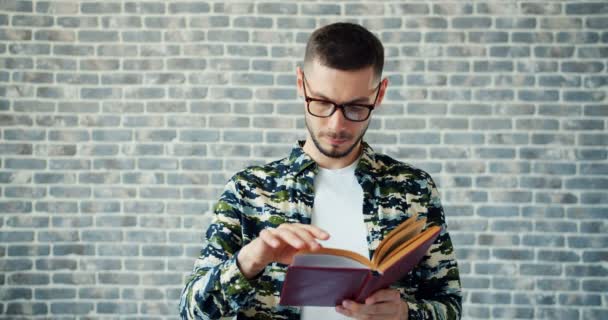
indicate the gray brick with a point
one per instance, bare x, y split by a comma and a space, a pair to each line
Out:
26, 308
229, 36
112, 135
72, 308
16, 149
73, 249
15, 265
33, 77
586, 8
253, 22
32, 105
543, 212
161, 251
463, 138
277, 8
593, 139
74, 278
98, 293
490, 298
443, 37
188, 8
28, 279
26, 164
16, 294
145, 7
100, 8
72, 222
118, 250
143, 178
143, 149
451, 9
28, 250
56, 206
560, 256
582, 67
116, 164
141, 36
540, 269
97, 36
49, 294
29, 49
596, 81
580, 299
556, 197
17, 6
472, 22
76, 22
477, 311
594, 314
144, 93
596, 22
513, 22
114, 192
595, 285
516, 312
117, 307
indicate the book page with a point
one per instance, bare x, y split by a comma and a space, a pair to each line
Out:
325, 260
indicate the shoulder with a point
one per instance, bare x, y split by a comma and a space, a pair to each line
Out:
390, 168
264, 176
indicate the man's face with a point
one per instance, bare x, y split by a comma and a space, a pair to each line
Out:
336, 136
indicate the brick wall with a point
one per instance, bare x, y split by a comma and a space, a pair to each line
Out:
121, 121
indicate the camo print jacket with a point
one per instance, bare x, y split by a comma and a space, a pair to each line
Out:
282, 192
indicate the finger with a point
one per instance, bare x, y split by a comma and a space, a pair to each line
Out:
268, 236
290, 237
383, 295
379, 309
317, 232
314, 230
344, 311
306, 236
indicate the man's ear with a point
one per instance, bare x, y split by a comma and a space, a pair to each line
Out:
299, 79
383, 87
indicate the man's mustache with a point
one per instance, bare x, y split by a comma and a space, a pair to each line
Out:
339, 135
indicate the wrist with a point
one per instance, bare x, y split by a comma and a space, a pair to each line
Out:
248, 265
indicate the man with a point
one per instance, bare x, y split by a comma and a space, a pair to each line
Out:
332, 187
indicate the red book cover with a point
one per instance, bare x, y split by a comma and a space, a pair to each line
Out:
329, 276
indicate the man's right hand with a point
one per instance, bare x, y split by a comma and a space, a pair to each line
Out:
280, 245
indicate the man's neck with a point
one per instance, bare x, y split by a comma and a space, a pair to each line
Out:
328, 162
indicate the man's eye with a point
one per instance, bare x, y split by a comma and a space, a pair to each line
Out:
356, 108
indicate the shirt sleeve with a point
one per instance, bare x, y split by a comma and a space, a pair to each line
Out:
217, 287
436, 281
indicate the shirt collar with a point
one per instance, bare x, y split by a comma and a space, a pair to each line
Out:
299, 161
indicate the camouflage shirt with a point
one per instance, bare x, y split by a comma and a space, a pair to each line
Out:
283, 192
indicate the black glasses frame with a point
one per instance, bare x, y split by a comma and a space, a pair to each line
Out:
342, 107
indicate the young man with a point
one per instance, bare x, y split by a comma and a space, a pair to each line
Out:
332, 189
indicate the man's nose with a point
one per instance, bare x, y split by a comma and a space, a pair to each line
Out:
337, 120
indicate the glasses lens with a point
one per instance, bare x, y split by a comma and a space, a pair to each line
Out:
356, 113
320, 108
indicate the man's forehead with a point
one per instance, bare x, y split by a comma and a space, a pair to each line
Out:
361, 78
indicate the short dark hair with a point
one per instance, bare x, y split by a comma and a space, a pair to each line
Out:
345, 46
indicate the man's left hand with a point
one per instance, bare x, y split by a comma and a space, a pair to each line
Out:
383, 304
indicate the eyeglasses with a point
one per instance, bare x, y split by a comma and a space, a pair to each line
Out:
321, 108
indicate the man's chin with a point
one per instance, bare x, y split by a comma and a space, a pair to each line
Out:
337, 151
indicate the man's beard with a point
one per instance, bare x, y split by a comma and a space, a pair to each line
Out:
335, 154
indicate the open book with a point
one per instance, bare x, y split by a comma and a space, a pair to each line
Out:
328, 276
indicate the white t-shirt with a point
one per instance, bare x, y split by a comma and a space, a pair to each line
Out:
338, 209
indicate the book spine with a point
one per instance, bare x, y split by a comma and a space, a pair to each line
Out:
362, 292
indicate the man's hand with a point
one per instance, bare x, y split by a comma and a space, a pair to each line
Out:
280, 245
383, 304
